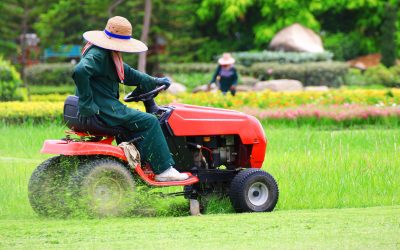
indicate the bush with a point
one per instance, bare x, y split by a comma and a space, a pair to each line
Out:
316, 73
310, 74
9, 82
382, 75
355, 77
50, 74
188, 67
248, 58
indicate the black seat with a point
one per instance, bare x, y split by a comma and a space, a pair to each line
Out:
94, 127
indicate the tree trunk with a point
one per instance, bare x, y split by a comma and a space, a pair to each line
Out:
145, 35
24, 29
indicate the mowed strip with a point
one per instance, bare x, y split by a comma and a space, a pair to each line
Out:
354, 228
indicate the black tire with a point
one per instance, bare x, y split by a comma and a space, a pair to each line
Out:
253, 190
47, 188
103, 187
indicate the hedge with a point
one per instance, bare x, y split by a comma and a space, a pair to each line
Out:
50, 74
310, 74
249, 58
208, 68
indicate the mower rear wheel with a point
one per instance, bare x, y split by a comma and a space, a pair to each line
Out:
47, 188
253, 190
103, 187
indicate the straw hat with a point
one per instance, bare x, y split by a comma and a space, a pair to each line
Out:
116, 36
226, 59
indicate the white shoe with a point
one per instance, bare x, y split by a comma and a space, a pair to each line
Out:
171, 174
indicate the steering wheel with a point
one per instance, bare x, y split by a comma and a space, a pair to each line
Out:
131, 97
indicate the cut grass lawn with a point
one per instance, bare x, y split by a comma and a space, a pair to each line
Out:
354, 228
314, 168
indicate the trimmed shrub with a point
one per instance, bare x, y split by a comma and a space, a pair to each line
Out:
50, 74
249, 58
188, 67
382, 75
355, 77
317, 73
310, 74
9, 82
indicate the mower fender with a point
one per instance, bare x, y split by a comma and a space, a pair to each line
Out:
65, 147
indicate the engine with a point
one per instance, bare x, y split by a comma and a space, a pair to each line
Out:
225, 151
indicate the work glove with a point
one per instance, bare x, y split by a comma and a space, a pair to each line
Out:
163, 81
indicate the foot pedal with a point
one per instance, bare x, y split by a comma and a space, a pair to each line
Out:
149, 179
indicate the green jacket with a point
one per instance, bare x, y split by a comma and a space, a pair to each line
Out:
97, 85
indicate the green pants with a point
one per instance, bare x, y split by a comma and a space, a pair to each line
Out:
153, 147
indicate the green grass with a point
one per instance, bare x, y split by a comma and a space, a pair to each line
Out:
192, 80
314, 168
365, 86
343, 168
49, 89
354, 228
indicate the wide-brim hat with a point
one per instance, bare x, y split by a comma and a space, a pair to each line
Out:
226, 59
116, 36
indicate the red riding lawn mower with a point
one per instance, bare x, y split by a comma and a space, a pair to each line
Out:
221, 150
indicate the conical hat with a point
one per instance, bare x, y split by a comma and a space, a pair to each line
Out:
226, 59
116, 36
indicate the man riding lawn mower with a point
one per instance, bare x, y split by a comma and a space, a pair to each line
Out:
220, 150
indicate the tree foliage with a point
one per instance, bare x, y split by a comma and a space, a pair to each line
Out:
199, 30
388, 42
17, 17
263, 18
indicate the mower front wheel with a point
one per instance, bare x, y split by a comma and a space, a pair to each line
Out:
253, 190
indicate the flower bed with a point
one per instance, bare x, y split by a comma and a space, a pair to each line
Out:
310, 107
344, 115
269, 99
313, 115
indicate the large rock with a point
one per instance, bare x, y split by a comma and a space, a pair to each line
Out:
280, 85
176, 88
297, 38
244, 88
247, 80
